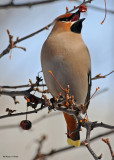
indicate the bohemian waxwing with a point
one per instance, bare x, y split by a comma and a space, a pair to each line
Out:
66, 55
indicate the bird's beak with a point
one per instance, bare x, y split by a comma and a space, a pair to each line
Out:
74, 16
80, 20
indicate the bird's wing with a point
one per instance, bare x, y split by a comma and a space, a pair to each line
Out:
89, 90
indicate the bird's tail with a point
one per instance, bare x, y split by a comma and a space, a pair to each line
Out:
73, 136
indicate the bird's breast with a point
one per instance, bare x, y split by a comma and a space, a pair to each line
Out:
67, 61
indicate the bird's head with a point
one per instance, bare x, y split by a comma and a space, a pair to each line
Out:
69, 22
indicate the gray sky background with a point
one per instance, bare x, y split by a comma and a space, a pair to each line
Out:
24, 65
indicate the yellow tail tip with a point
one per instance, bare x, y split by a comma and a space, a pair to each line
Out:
73, 143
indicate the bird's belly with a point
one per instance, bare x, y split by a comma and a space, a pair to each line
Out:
66, 73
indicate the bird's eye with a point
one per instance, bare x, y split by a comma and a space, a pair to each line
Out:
64, 19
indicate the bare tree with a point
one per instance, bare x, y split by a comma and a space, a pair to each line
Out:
38, 103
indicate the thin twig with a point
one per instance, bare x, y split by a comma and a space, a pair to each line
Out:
23, 86
97, 8
12, 126
31, 84
103, 125
83, 3
109, 145
89, 127
38, 154
25, 93
87, 142
101, 91
23, 113
9, 47
29, 4
93, 153
99, 76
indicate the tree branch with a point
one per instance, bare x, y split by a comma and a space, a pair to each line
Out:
9, 47
99, 76
89, 127
30, 4
110, 147
87, 142
56, 151
14, 93
23, 86
23, 113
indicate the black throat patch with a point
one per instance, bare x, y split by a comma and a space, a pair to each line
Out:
77, 27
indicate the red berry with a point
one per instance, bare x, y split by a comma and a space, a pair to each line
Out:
25, 124
82, 8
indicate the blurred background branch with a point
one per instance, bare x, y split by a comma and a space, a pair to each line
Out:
56, 151
13, 4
